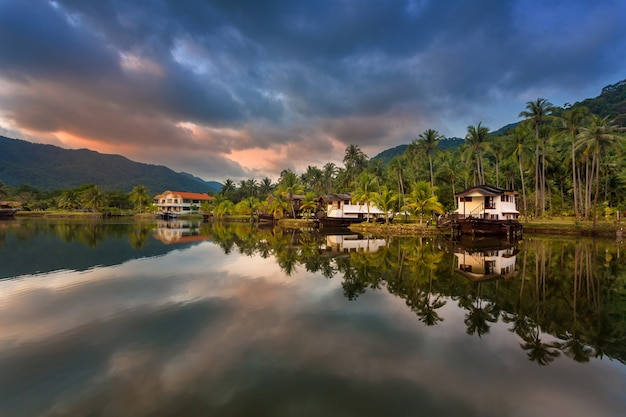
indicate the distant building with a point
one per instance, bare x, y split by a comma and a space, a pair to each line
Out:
174, 203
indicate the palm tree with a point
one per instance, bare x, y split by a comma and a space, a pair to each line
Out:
448, 170
518, 142
252, 187
309, 203
476, 138
599, 137
354, 160
139, 196
93, 198
228, 188
289, 184
495, 147
69, 200
396, 167
571, 122
536, 112
277, 205
366, 188
328, 173
385, 200
422, 198
427, 142
313, 178
266, 187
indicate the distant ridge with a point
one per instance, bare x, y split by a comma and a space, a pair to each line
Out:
49, 167
444, 144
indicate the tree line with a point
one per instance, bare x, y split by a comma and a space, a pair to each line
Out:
563, 161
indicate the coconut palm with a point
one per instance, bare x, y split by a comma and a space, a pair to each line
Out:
139, 196
93, 199
355, 161
385, 200
328, 173
265, 187
536, 113
422, 198
599, 137
571, 123
518, 145
289, 184
476, 138
366, 189
309, 203
427, 143
69, 200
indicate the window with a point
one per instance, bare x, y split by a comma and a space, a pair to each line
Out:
467, 198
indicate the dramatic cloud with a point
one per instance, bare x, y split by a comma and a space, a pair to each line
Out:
239, 89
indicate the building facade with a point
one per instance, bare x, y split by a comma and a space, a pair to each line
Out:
180, 202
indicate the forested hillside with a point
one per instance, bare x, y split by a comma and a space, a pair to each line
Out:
611, 102
48, 167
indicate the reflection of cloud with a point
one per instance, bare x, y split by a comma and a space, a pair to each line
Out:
207, 333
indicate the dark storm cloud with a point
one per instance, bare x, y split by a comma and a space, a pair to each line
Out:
273, 73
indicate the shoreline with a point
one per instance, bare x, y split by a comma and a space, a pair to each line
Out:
560, 226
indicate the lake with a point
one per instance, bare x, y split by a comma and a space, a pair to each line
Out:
129, 318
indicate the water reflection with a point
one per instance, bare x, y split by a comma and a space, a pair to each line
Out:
274, 321
569, 292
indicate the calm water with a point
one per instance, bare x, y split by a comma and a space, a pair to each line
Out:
179, 319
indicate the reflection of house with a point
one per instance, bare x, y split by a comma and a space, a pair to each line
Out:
173, 203
486, 264
352, 243
178, 231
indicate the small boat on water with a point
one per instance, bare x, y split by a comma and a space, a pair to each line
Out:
484, 210
340, 212
7, 210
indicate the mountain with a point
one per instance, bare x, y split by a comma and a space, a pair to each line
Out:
611, 102
444, 144
48, 167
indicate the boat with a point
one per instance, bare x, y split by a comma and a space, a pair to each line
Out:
340, 212
7, 210
484, 210
266, 218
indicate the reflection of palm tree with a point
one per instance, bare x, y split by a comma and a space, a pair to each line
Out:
537, 351
574, 348
288, 260
138, 237
352, 285
478, 317
427, 309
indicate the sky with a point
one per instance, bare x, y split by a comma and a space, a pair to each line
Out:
244, 89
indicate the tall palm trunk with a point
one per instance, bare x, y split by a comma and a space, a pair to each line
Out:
574, 178
521, 173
